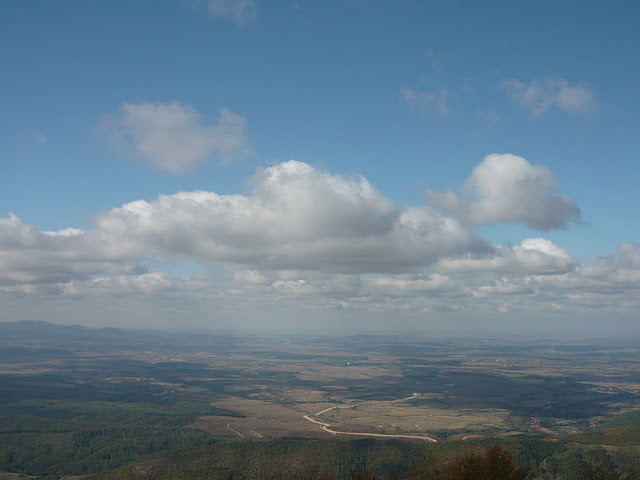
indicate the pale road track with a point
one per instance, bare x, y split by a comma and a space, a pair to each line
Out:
325, 410
234, 431
325, 427
336, 407
415, 395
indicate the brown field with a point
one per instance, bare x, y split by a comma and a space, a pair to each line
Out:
262, 420
395, 418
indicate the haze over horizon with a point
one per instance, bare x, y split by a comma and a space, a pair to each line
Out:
321, 166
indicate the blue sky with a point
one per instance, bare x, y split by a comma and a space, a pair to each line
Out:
526, 113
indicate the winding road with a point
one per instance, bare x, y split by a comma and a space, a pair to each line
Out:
327, 427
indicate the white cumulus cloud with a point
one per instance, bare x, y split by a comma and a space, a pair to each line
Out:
124, 285
534, 256
31, 256
507, 188
411, 286
297, 217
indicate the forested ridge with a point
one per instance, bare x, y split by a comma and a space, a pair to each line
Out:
171, 452
369, 459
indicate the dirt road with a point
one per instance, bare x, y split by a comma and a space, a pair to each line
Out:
326, 428
234, 431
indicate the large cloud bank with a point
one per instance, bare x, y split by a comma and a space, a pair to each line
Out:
317, 241
296, 218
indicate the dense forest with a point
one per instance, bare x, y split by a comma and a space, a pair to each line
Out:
369, 459
51, 439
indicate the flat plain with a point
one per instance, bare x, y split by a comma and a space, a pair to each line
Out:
76, 401
322, 386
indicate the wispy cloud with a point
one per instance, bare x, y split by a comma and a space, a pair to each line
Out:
435, 64
427, 101
238, 11
171, 137
37, 138
489, 117
543, 94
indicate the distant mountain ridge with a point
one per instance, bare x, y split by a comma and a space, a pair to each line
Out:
38, 332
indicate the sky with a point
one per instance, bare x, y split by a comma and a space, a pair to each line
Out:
322, 166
